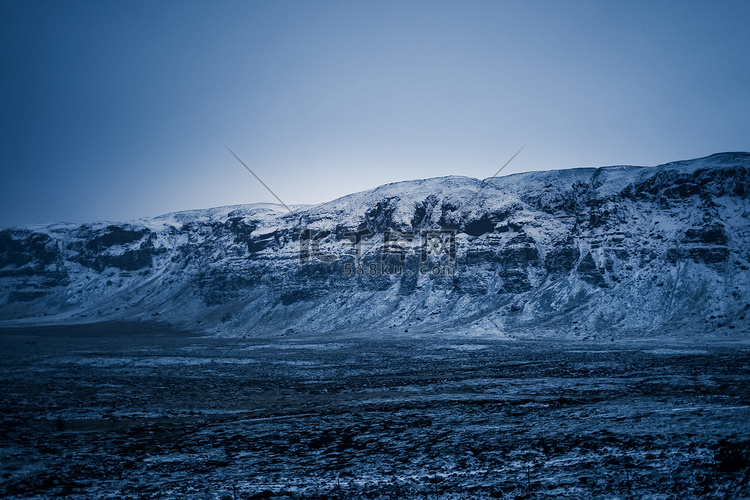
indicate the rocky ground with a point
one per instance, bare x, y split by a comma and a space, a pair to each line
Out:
142, 411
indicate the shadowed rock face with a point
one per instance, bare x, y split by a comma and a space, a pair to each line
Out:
584, 252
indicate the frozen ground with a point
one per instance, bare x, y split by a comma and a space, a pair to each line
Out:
140, 411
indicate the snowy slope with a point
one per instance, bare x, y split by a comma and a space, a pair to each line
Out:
614, 251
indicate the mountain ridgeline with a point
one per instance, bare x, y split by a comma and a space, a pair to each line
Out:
605, 252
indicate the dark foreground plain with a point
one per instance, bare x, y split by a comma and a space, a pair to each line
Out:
142, 411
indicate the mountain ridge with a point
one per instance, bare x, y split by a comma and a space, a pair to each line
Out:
617, 251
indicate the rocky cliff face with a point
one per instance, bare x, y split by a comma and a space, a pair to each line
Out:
613, 251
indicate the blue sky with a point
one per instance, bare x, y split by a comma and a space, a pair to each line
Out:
116, 110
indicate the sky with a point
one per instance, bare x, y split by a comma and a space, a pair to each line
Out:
117, 110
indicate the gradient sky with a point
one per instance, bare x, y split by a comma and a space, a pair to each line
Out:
116, 110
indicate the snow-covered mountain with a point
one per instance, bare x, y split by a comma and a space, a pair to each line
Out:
588, 252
